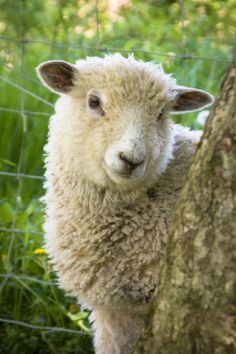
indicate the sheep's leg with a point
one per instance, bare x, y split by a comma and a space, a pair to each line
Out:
116, 332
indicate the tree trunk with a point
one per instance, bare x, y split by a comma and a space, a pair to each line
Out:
194, 310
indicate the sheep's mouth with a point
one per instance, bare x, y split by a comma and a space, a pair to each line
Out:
122, 175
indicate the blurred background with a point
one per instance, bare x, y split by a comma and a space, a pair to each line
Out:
192, 39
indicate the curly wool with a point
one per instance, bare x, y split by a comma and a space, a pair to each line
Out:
107, 239
106, 246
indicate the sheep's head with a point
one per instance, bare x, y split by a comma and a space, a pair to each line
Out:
112, 117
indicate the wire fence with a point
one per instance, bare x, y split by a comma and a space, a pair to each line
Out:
41, 328
99, 49
25, 114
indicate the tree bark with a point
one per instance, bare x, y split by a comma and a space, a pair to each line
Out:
194, 310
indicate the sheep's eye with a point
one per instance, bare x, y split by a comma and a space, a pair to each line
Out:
159, 116
94, 101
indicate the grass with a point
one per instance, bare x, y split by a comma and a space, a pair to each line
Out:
23, 298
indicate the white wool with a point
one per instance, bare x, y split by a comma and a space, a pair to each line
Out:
202, 117
106, 234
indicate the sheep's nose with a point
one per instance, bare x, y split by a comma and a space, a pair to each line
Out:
130, 163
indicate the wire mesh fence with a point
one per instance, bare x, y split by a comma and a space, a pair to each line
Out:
24, 114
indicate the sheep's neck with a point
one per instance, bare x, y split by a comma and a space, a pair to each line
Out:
90, 195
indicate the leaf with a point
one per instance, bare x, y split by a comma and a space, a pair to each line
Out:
78, 316
6, 213
8, 162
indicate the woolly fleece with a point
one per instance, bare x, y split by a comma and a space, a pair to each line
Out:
106, 235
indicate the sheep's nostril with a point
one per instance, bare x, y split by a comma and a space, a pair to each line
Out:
132, 164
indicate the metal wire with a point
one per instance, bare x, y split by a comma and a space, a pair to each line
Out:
22, 147
18, 231
43, 328
97, 25
186, 56
28, 278
28, 113
21, 175
22, 89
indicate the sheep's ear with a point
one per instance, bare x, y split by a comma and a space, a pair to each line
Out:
189, 99
57, 75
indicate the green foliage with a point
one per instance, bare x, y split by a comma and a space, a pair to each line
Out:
171, 32
41, 304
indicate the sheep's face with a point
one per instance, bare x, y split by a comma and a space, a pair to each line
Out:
111, 120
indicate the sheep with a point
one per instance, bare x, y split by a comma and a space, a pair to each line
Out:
115, 164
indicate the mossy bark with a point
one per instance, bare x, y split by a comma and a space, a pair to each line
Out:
194, 310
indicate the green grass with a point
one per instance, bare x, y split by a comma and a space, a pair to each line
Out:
154, 26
